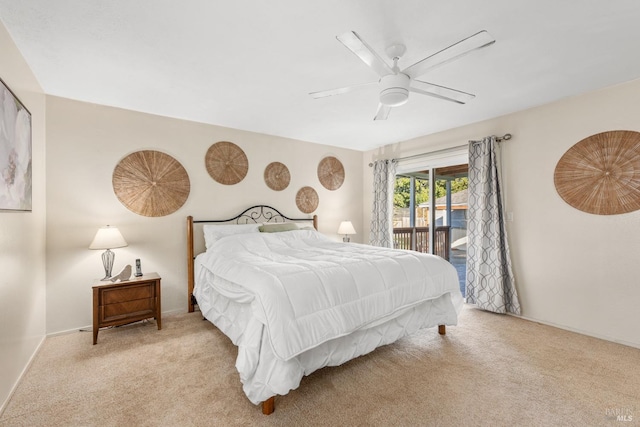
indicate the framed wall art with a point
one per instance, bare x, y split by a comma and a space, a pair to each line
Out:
15, 152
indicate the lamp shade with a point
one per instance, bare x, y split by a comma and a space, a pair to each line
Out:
346, 228
108, 238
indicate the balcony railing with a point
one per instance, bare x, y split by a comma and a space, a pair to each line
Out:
404, 238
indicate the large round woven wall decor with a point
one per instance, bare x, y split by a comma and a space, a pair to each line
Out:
330, 173
151, 183
307, 199
226, 163
601, 173
276, 176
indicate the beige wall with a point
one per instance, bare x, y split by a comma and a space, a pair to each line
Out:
85, 142
574, 270
22, 238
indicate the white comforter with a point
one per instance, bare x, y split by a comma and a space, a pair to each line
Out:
307, 290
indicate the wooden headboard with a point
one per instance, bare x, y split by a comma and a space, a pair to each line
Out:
254, 215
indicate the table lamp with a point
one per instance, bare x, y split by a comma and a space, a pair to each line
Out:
346, 228
108, 238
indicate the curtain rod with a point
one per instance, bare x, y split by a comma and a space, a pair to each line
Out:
505, 137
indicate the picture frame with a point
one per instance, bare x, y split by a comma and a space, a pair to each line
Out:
15, 153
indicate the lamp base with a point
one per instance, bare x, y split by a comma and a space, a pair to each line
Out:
107, 261
346, 239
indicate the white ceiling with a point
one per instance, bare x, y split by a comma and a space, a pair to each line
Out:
250, 64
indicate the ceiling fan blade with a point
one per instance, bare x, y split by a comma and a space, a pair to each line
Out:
383, 112
338, 91
355, 44
441, 92
450, 53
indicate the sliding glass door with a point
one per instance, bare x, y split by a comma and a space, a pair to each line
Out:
416, 214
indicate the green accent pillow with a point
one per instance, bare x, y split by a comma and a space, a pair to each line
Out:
276, 228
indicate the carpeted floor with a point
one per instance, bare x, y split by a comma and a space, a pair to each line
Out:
490, 370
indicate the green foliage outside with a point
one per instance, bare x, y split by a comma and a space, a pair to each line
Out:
402, 190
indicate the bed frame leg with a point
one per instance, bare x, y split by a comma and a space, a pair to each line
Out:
268, 406
442, 329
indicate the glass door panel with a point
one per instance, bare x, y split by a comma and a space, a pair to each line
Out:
451, 216
413, 220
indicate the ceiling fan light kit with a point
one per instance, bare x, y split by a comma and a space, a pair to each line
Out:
395, 84
395, 89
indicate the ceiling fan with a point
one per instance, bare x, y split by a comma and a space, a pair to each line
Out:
395, 84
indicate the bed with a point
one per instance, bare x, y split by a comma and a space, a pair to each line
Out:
293, 300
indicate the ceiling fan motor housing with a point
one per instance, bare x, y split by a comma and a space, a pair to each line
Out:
394, 89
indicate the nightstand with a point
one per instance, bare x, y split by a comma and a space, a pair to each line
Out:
120, 303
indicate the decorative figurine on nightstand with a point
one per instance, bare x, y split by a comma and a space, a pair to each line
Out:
138, 268
124, 274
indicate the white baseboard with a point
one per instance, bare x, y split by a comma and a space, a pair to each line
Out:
176, 311
69, 331
578, 331
24, 371
89, 328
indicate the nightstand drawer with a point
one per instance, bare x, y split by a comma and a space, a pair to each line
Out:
128, 309
116, 295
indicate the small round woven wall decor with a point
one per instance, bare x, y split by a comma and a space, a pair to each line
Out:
601, 174
151, 183
276, 176
307, 199
330, 173
226, 163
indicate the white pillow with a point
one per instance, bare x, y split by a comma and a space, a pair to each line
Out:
214, 232
305, 225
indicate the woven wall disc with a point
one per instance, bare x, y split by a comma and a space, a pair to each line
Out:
276, 176
226, 163
330, 173
307, 199
151, 183
601, 173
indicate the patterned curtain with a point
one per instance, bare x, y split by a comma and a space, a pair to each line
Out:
384, 175
490, 282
